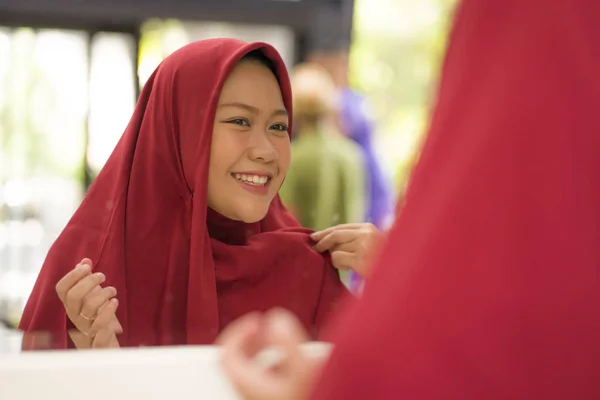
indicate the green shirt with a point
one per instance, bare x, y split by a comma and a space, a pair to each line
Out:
325, 185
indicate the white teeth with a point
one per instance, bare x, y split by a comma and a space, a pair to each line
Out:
252, 179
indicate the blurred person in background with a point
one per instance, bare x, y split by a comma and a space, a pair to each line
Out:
325, 185
354, 119
488, 286
356, 123
326, 180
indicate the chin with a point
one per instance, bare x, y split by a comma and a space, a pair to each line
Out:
253, 213
252, 218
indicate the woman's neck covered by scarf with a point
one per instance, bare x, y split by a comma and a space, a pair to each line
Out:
181, 270
229, 231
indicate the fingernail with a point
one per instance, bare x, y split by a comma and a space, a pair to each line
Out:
82, 267
100, 276
113, 290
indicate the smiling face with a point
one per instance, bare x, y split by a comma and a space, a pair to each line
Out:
250, 151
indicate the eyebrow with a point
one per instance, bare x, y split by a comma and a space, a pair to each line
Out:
252, 109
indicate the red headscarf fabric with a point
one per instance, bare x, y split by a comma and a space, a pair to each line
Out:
145, 224
489, 286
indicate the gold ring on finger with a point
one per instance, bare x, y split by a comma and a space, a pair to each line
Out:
85, 317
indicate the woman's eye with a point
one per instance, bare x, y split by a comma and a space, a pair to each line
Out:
280, 127
239, 121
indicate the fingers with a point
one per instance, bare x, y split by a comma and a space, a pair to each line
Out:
116, 326
100, 329
79, 339
100, 335
286, 380
77, 284
113, 342
335, 238
284, 327
351, 246
75, 296
95, 299
70, 279
103, 318
239, 345
316, 236
103, 339
344, 260
90, 307
294, 376
86, 261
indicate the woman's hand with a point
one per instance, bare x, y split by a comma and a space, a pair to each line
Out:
292, 378
90, 307
352, 246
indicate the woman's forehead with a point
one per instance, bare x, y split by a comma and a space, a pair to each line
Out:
251, 82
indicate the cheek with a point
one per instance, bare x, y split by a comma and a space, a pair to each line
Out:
226, 149
285, 155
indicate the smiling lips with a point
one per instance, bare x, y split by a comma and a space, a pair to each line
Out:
252, 179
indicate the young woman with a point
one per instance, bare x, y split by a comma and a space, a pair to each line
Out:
184, 225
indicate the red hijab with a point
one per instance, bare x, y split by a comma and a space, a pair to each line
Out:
489, 287
144, 223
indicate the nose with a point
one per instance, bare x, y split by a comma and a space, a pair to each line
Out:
260, 147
